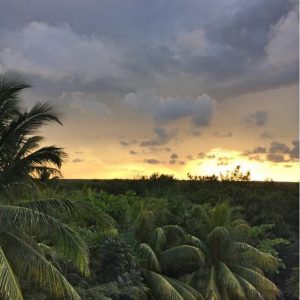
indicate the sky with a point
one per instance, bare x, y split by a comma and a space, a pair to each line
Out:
173, 87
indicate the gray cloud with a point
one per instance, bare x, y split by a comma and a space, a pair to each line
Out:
266, 135
174, 156
170, 109
152, 161
277, 147
276, 152
216, 41
223, 135
128, 143
294, 152
277, 158
162, 136
77, 160
258, 118
63, 56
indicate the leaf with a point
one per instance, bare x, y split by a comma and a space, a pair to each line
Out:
161, 288
30, 264
16, 219
150, 258
9, 284
184, 258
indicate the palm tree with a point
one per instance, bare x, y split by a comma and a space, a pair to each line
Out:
233, 269
21, 157
167, 256
27, 228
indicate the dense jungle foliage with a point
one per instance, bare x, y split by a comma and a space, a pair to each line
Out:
212, 238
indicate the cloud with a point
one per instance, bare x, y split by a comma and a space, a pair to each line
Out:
152, 161
84, 103
284, 40
196, 133
174, 156
294, 152
169, 109
266, 135
276, 152
162, 137
57, 52
258, 118
223, 135
277, 147
128, 143
277, 158
132, 152
193, 42
77, 160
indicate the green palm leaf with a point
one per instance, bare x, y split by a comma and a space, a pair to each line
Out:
149, 256
161, 287
184, 258
9, 284
186, 291
212, 292
158, 239
265, 287
30, 264
251, 292
229, 282
62, 238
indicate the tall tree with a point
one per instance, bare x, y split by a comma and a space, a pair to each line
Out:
29, 227
21, 157
233, 268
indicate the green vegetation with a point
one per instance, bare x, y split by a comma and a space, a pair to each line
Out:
155, 238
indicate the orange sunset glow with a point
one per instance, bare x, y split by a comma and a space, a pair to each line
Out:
167, 89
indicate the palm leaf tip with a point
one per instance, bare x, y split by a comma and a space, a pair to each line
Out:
9, 284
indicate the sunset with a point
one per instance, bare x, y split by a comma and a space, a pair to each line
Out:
149, 150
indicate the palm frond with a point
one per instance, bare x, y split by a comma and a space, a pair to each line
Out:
62, 238
250, 291
175, 234
185, 290
182, 259
26, 123
249, 255
29, 145
30, 264
196, 242
150, 259
229, 282
158, 240
9, 284
144, 224
265, 286
62, 208
212, 291
161, 288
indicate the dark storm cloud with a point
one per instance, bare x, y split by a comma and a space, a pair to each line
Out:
122, 46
